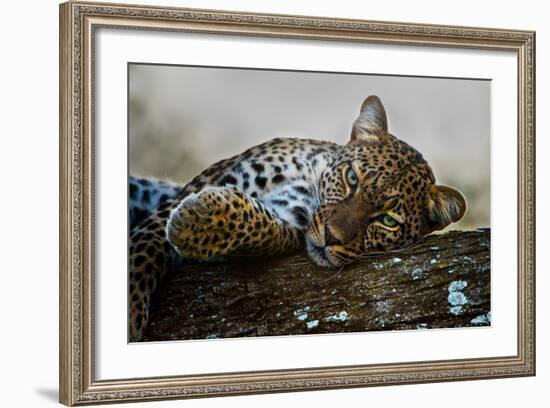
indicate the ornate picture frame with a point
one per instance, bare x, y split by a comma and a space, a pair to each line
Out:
79, 23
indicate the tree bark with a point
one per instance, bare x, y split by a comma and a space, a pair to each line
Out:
443, 281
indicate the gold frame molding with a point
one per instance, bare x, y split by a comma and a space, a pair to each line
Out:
78, 22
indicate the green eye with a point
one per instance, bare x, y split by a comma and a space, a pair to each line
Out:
388, 221
351, 177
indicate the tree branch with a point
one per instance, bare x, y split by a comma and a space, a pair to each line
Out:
443, 281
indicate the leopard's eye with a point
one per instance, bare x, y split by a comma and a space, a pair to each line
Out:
351, 177
388, 220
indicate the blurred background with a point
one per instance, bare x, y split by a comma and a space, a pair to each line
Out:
182, 119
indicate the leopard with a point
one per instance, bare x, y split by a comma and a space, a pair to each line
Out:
340, 204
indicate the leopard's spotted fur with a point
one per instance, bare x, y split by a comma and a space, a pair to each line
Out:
342, 203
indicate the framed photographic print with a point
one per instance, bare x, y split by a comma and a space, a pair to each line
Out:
260, 203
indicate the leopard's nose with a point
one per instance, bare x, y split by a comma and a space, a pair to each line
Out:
332, 237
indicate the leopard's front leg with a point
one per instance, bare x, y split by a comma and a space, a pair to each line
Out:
226, 222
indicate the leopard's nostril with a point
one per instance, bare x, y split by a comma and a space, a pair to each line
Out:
331, 238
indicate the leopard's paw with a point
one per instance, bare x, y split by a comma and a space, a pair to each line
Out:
211, 223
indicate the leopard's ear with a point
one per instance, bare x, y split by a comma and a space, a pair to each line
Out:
372, 124
445, 205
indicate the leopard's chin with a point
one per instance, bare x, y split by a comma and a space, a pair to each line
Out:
320, 256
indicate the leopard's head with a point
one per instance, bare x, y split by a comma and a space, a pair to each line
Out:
378, 195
